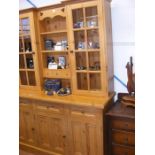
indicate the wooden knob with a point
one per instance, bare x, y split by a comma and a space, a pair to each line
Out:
126, 140
41, 13
64, 136
126, 125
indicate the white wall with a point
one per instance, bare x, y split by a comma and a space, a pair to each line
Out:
123, 22
123, 26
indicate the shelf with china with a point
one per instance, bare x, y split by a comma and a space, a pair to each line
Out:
54, 45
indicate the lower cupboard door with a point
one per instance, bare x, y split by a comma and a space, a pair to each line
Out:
58, 136
84, 139
52, 137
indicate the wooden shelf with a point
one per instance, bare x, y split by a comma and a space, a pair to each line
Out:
85, 28
53, 32
94, 16
26, 69
88, 71
21, 53
24, 35
87, 50
52, 51
94, 71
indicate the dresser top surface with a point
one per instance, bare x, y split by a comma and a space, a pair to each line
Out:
96, 102
120, 110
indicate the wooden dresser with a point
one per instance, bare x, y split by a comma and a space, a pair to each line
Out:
65, 46
121, 130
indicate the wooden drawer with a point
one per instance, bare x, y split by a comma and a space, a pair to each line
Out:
26, 105
123, 124
49, 109
122, 150
123, 137
85, 115
62, 73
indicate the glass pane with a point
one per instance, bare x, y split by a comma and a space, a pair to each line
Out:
78, 19
79, 40
95, 81
23, 78
25, 25
91, 17
94, 61
27, 44
93, 39
82, 81
21, 48
81, 61
29, 61
21, 62
31, 77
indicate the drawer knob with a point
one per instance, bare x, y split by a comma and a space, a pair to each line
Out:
126, 125
64, 136
126, 153
126, 140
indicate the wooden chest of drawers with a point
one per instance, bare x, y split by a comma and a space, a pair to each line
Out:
121, 130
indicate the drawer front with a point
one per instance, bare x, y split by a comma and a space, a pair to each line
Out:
123, 137
123, 124
49, 109
121, 150
26, 105
57, 73
83, 114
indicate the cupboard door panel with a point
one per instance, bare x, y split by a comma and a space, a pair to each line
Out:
92, 139
57, 135
43, 131
52, 132
79, 138
29, 124
84, 138
22, 131
27, 129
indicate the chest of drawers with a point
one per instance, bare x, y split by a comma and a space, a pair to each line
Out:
120, 122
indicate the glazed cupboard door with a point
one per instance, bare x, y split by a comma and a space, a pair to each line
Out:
87, 55
26, 124
28, 68
51, 129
